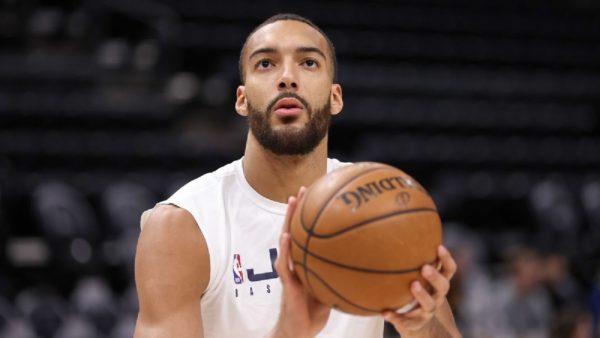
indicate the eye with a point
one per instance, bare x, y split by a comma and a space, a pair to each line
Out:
263, 64
310, 63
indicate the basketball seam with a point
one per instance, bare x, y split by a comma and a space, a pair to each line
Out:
375, 219
355, 268
330, 288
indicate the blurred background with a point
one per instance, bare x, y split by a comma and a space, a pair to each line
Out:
107, 107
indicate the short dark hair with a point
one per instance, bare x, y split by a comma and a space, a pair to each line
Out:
294, 17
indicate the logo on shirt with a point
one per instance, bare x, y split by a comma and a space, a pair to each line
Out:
238, 273
252, 275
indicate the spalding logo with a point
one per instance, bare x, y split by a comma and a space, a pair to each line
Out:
364, 193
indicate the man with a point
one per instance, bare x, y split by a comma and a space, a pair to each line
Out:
212, 260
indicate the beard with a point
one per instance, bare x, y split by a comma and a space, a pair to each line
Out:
288, 139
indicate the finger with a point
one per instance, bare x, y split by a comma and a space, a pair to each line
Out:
292, 202
448, 263
437, 280
405, 320
426, 301
394, 318
281, 263
301, 192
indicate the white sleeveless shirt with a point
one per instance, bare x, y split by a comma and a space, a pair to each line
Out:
242, 229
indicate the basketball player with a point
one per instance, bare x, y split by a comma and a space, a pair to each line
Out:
212, 260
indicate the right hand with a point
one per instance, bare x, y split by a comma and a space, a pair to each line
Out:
301, 314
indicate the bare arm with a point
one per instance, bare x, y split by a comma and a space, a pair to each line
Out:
171, 272
442, 324
445, 317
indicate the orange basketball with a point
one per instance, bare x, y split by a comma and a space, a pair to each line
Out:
360, 236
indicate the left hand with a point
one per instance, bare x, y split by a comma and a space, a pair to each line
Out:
301, 314
421, 319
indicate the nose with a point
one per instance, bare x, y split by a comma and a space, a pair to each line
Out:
288, 78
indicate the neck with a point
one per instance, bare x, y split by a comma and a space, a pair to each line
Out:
277, 177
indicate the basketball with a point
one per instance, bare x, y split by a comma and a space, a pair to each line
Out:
360, 236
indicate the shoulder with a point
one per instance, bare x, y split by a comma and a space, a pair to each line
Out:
171, 243
168, 224
168, 218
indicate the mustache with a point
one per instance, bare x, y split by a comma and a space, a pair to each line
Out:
286, 95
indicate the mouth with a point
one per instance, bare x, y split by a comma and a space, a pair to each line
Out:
288, 107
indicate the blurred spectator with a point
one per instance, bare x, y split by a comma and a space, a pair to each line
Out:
523, 306
471, 293
557, 277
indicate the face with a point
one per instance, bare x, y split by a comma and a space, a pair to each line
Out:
288, 95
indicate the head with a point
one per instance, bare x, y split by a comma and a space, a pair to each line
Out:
525, 269
288, 90
291, 17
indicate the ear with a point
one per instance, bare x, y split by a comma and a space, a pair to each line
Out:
241, 105
337, 102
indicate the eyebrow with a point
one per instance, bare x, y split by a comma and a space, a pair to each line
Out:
311, 50
269, 50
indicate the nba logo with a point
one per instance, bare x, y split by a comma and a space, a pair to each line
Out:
238, 274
